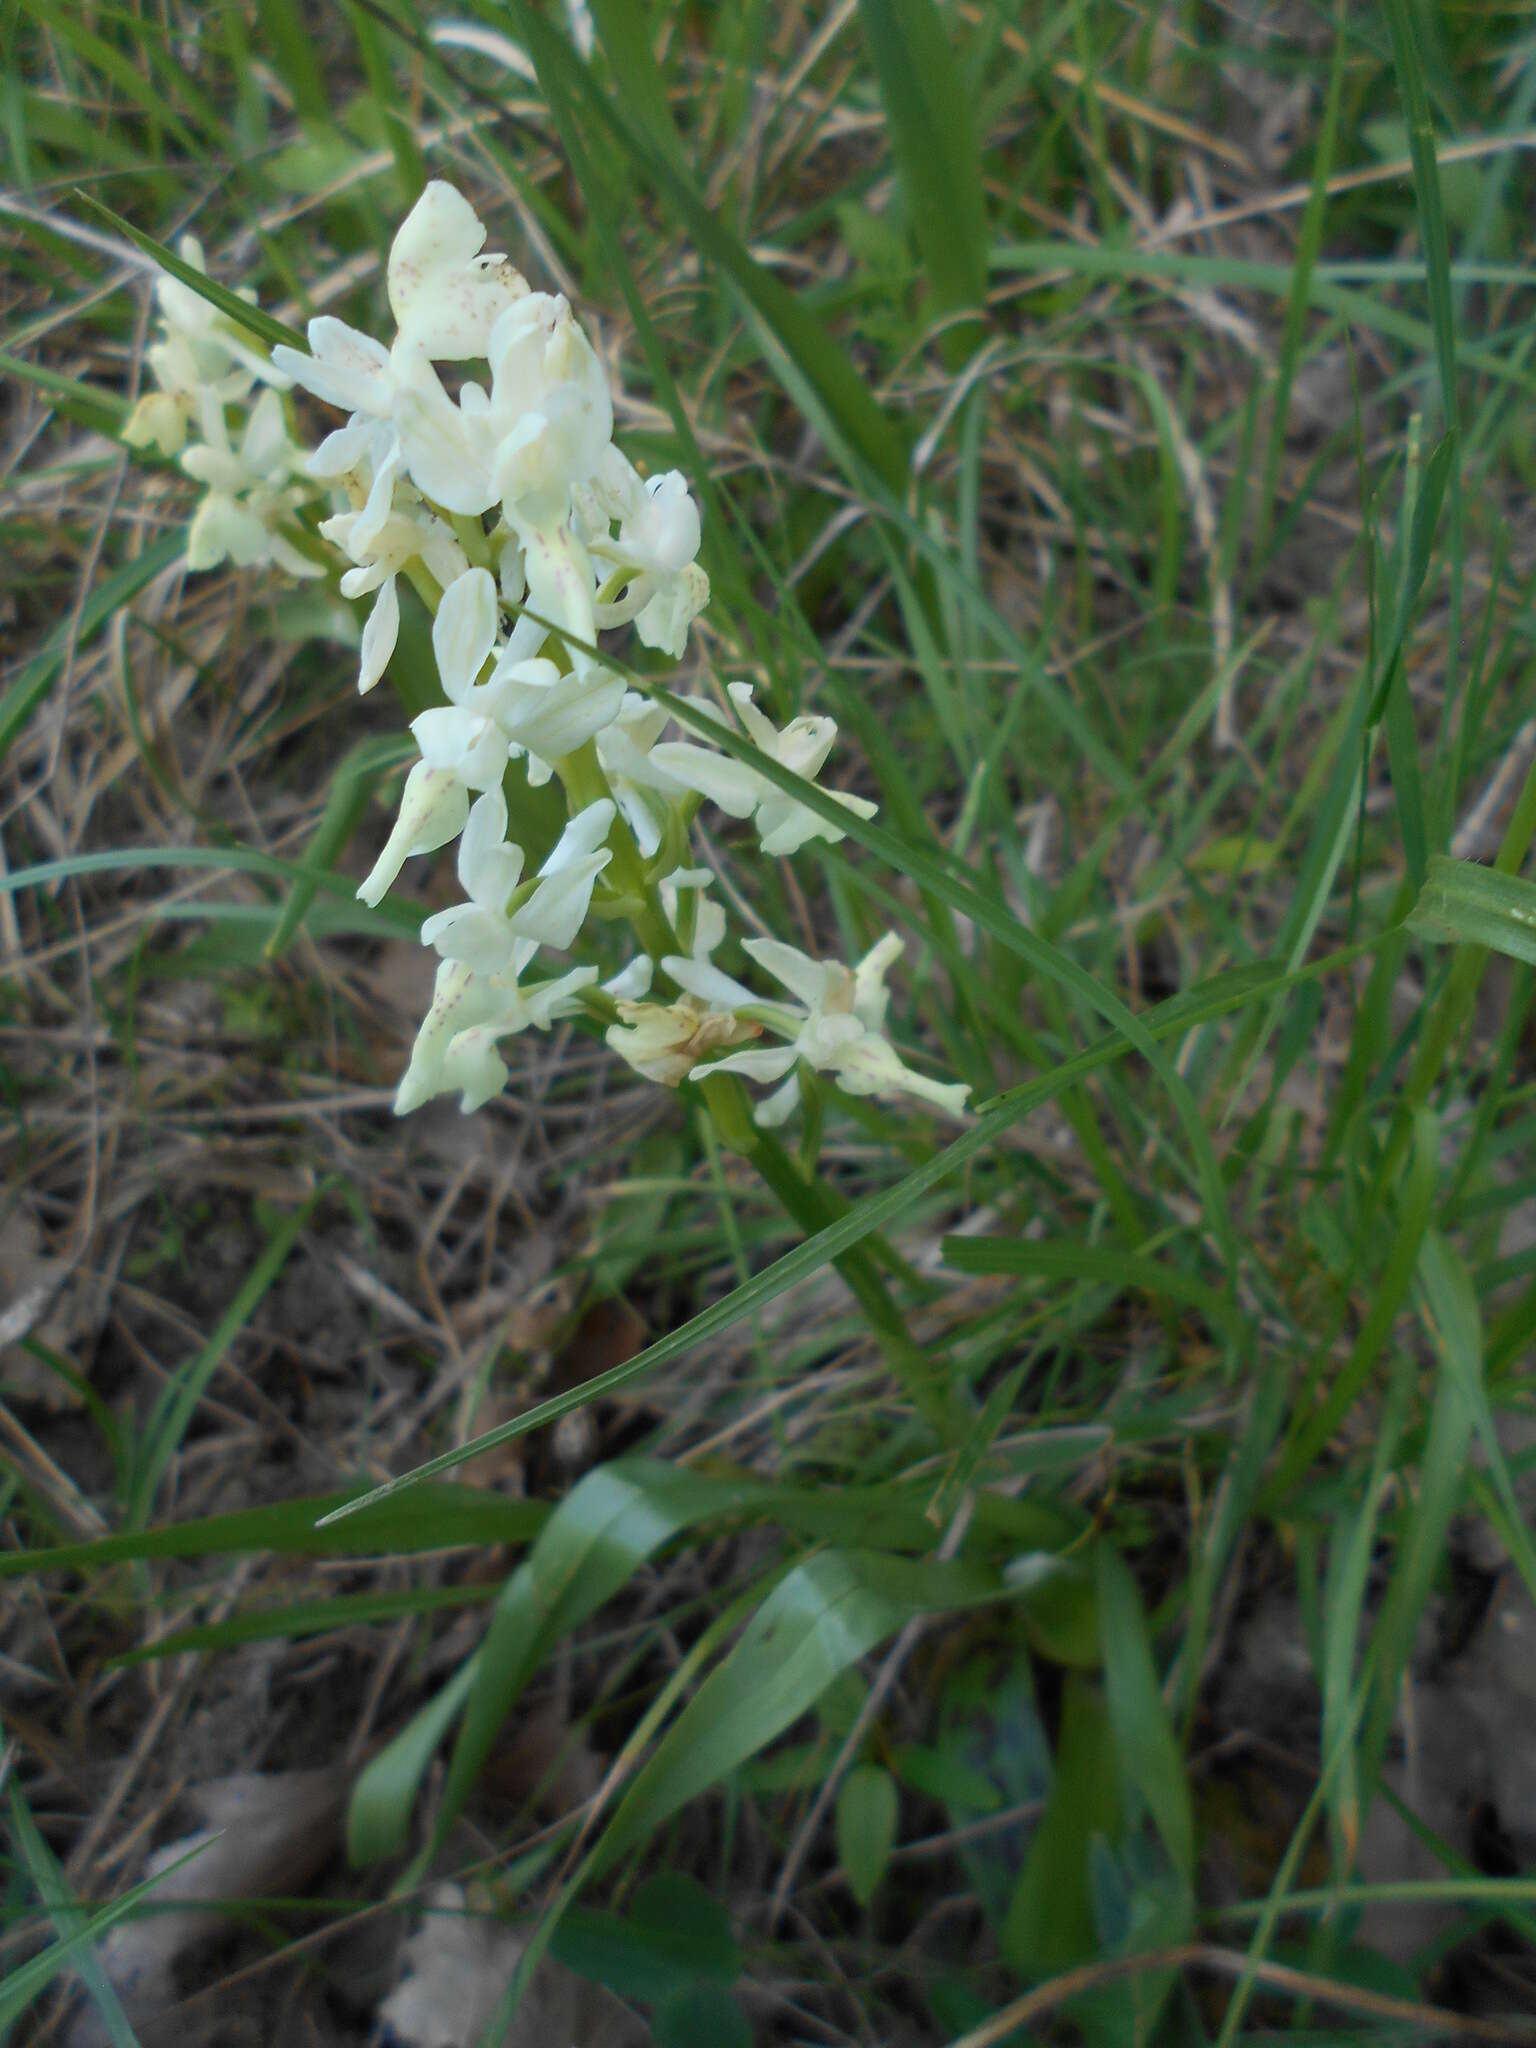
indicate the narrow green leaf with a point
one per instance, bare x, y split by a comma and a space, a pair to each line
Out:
867, 1807
930, 117
624, 28
435, 1518
384, 1796
262, 325
1150, 1757
1456, 1331
22, 1987
68, 1918
1477, 906
1097, 1263
674, 1934
1050, 1924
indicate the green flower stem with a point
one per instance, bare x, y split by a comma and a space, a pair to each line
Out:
813, 1205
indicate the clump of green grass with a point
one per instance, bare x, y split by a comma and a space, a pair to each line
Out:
1119, 425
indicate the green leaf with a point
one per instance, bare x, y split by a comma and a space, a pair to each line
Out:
821, 1618
675, 1935
434, 1518
1150, 1757
1478, 906
701, 2016
930, 118
1050, 1923
867, 1807
1455, 1329
384, 1796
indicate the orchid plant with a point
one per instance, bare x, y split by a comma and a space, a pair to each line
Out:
527, 534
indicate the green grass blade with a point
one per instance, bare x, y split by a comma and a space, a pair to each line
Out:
931, 121
1149, 1749
1465, 903
24, 1986
68, 1919
438, 1518
255, 322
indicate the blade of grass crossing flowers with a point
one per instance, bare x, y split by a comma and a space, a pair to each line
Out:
262, 325
994, 917
931, 122
1180, 1014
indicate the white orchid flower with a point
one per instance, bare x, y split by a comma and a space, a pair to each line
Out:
532, 439
546, 714
455, 1049
666, 1041
487, 931
445, 295
654, 550
407, 535
248, 495
836, 1025
433, 808
708, 917
641, 791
